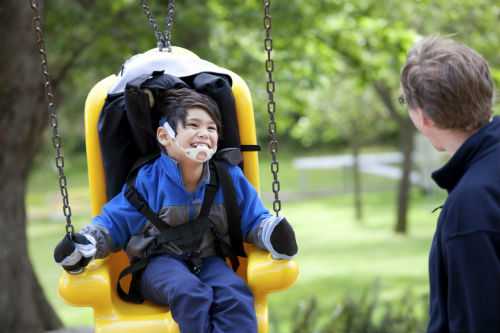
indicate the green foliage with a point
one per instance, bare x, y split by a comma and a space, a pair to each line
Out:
366, 314
328, 54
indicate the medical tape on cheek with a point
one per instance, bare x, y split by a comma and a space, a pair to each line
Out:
198, 154
169, 129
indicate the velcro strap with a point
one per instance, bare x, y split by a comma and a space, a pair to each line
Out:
250, 148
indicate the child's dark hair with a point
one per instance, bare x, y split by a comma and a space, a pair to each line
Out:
175, 103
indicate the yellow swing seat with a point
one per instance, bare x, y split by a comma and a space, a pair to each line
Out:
96, 286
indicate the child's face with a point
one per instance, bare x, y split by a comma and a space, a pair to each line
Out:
195, 140
199, 129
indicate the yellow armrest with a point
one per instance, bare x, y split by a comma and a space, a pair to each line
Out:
90, 288
265, 275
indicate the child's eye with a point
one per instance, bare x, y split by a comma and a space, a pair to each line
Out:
212, 128
193, 125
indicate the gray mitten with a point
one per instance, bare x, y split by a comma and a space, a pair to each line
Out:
75, 252
275, 235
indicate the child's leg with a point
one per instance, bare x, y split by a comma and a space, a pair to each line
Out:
232, 310
168, 281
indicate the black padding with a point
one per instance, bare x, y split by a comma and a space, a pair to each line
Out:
219, 88
141, 125
283, 239
119, 151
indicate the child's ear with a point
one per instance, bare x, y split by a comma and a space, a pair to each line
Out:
163, 138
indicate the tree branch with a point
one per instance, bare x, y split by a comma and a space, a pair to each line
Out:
385, 96
72, 59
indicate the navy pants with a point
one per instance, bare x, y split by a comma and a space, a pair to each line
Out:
214, 301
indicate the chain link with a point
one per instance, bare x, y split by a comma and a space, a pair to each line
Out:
169, 23
164, 39
56, 138
271, 106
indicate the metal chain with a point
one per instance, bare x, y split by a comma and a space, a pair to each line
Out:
169, 23
56, 138
271, 107
163, 38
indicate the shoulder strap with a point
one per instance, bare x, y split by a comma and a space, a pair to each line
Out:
232, 208
136, 199
210, 192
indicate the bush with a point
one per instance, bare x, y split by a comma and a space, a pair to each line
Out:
366, 314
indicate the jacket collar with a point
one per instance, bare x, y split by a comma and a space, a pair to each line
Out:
475, 147
173, 171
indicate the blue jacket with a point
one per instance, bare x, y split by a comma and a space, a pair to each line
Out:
464, 261
160, 184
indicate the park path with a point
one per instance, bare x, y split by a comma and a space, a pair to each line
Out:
379, 164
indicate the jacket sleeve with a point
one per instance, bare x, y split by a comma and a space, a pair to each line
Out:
252, 209
473, 268
116, 223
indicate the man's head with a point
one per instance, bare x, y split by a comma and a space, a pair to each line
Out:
195, 121
447, 84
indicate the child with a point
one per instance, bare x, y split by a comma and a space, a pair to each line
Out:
203, 295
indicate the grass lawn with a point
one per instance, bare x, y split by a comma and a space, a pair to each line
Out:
338, 256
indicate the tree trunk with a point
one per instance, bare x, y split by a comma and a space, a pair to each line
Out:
407, 137
23, 306
356, 176
406, 140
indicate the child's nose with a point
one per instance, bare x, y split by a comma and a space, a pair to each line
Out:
202, 132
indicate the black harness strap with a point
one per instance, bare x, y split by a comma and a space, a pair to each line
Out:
134, 293
250, 148
136, 199
232, 208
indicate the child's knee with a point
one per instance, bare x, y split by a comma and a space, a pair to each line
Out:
191, 291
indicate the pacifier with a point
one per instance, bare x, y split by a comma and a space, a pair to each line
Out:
201, 153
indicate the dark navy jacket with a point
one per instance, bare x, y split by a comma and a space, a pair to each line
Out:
464, 261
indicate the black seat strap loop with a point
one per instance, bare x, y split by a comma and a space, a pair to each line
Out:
134, 294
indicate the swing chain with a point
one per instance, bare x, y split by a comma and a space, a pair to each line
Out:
163, 38
56, 138
271, 106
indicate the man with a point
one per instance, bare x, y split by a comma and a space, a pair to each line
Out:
449, 92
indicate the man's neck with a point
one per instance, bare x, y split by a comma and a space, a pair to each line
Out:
452, 140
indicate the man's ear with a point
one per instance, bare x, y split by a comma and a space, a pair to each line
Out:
425, 119
163, 138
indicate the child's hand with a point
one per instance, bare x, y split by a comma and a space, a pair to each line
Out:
275, 235
74, 253
283, 240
